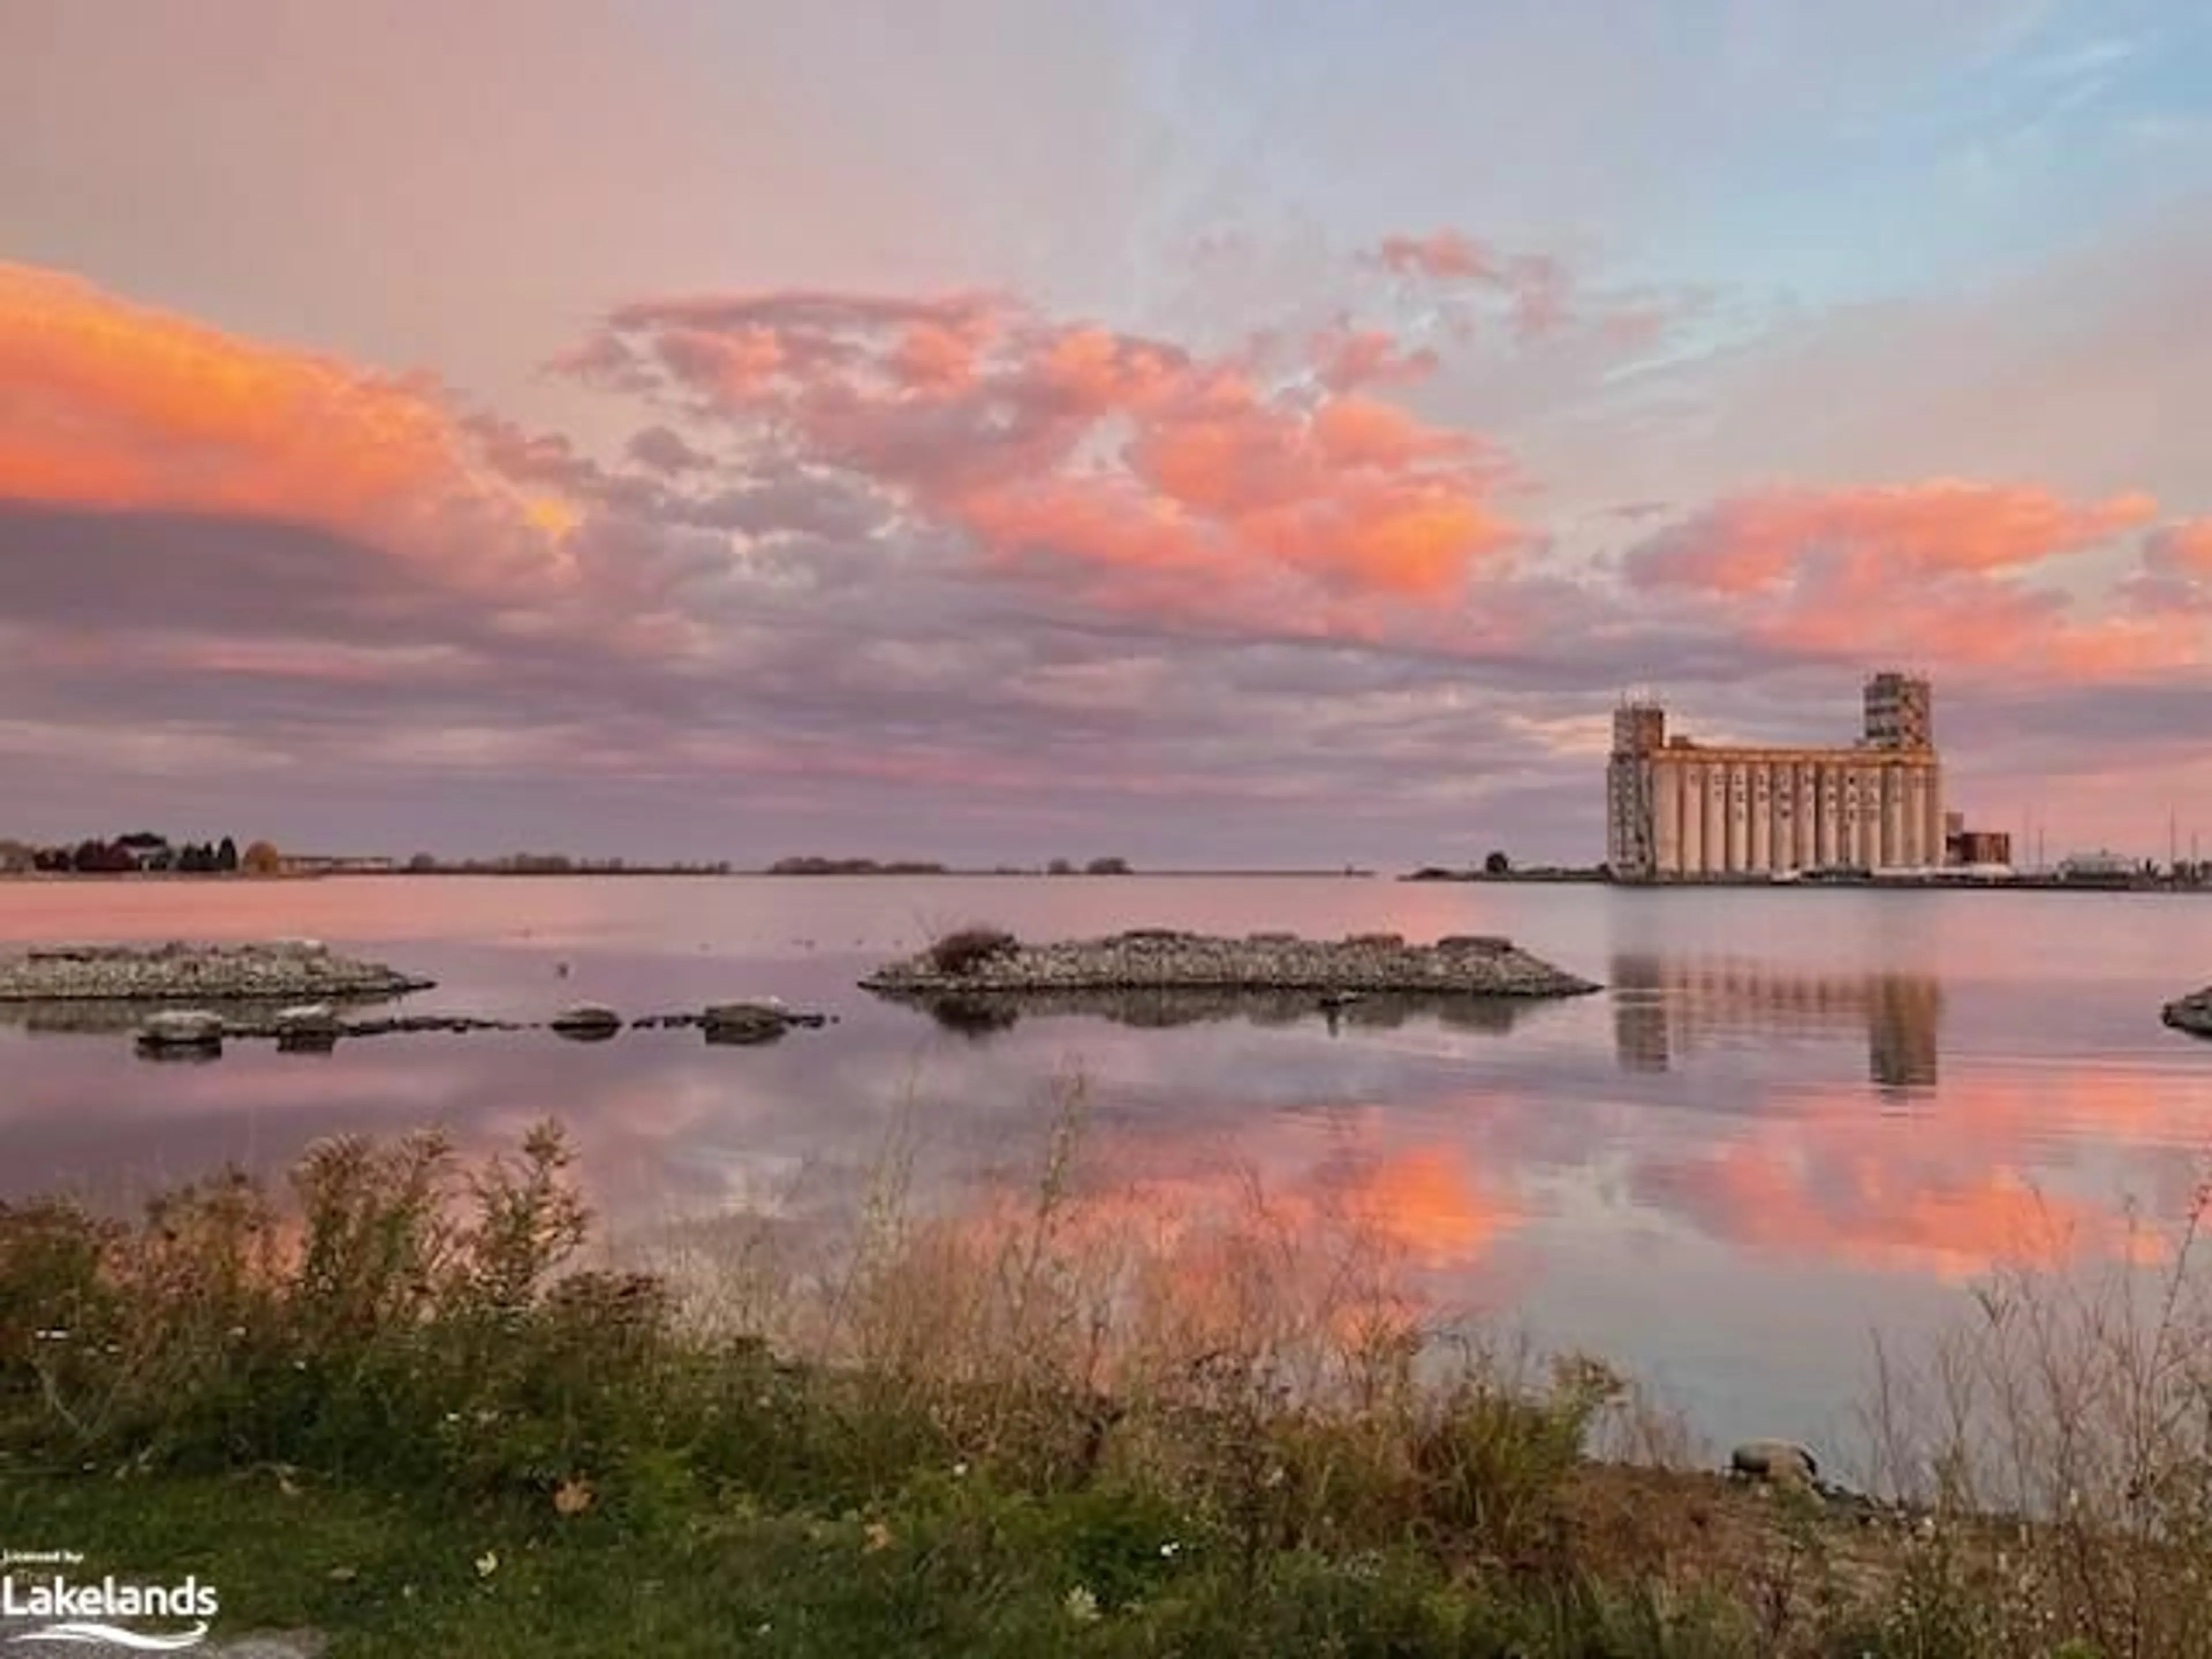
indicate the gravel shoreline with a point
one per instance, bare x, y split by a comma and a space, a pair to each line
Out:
283, 969
1163, 959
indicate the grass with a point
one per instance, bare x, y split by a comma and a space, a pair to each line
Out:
2061, 1440
980, 1571
393, 1403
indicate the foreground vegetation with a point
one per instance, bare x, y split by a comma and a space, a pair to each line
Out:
402, 1407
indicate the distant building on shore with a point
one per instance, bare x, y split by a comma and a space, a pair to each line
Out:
1975, 848
1678, 809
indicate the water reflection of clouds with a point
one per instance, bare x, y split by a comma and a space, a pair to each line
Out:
2013, 1164
1455, 1129
1714, 1133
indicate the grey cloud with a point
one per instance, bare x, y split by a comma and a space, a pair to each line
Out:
664, 450
92, 568
830, 509
819, 310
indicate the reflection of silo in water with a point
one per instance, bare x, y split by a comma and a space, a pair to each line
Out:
1639, 1013
1666, 1006
1901, 1030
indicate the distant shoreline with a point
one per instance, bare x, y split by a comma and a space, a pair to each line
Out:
2051, 883
2044, 883
72, 877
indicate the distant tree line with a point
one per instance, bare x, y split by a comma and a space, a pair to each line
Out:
143, 851
1096, 867
812, 865
551, 864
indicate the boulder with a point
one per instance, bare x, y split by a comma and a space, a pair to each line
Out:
1781, 1462
587, 1022
181, 1029
308, 1027
759, 1020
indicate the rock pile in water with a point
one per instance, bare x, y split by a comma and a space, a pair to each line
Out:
987, 960
284, 969
2191, 1013
200, 1033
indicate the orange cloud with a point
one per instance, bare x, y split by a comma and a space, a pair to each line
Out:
935, 359
2190, 546
119, 407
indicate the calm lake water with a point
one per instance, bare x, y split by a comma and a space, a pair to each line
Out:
1793, 1117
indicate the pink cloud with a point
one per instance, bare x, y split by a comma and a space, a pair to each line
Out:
2169, 593
2182, 549
1099, 452
1943, 571
1537, 288
1348, 359
1442, 255
2191, 545
1758, 542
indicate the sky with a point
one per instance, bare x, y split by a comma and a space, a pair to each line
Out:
1218, 431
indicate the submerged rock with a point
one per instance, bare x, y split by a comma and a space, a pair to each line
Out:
1165, 959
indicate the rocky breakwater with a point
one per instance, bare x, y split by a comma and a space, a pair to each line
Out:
281, 970
2191, 1013
988, 961
317, 1027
